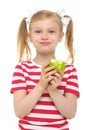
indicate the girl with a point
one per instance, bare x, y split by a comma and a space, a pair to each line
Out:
44, 99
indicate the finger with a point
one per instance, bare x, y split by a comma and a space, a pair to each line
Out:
45, 65
61, 73
53, 83
51, 73
50, 69
50, 78
57, 75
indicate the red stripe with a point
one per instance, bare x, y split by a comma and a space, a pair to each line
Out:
46, 103
45, 95
17, 88
30, 86
42, 119
27, 65
18, 74
30, 79
18, 81
72, 91
18, 66
58, 125
72, 83
34, 73
31, 67
73, 77
45, 111
61, 87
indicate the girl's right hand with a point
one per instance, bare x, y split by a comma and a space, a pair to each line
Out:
47, 74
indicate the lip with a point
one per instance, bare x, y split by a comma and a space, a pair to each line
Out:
45, 43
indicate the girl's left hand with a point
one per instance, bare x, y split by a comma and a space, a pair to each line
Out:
56, 80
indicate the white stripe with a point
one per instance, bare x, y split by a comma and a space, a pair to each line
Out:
44, 107
73, 80
18, 78
61, 91
69, 74
63, 83
69, 67
19, 85
49, 116
39, 127
31, 76
72, 87
46, 123
31, 83
45, 99
73, 73
18, 70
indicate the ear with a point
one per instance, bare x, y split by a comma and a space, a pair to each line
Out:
61, 36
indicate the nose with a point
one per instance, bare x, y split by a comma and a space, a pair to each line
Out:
44, 36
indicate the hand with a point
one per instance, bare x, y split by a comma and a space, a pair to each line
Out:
47, 75
56, 80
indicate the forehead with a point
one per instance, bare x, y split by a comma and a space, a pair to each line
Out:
48, 22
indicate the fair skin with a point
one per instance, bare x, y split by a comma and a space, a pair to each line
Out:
45, 36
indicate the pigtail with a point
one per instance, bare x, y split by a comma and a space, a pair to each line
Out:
22, 41
69, 40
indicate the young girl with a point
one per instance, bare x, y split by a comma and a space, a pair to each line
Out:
44, 99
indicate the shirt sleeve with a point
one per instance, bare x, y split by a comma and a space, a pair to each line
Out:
18, 79
72, 85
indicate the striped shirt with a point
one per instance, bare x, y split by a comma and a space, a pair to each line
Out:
45, 115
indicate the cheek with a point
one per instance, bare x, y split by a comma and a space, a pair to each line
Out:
57, 39
34, 38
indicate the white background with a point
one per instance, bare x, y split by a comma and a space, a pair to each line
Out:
11, 13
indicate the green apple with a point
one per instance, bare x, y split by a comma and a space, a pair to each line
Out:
59, 65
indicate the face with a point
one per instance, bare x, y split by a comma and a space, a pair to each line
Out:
45, 35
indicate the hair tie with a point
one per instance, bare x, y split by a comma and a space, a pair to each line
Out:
30, 13
65, 20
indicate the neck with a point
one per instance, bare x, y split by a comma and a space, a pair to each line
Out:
41, 59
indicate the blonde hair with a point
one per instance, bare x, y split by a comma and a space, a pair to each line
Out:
22, 37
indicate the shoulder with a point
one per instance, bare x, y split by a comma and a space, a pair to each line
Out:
70, 68
70, 71
22, 64
26, 66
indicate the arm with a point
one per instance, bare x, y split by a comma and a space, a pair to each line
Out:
23, 104
66, 105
